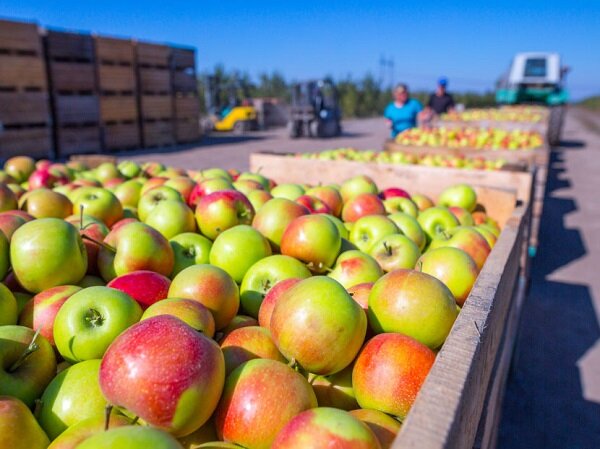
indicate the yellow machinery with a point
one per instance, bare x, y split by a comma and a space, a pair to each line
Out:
229, 107
238, 119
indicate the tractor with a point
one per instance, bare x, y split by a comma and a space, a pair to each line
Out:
315, 110
229, 106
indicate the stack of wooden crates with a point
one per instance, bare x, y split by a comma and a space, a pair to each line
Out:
25, 120
117, 84
72, 74
185, 94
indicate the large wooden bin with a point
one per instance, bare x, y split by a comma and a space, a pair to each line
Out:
24, 101
460, 401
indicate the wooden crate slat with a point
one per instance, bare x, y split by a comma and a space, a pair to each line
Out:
69, 46
154, 80
35, 142
22, 72
121, 136
24, 107
114, 50
118, 108
187, 107
72, 76
73, 109
116, 78
184, 82
156, 107
152, 54
20, 37
158, 134
187, 131
78, 140
183, 58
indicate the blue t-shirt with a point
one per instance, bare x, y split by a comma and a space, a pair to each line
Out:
403, 118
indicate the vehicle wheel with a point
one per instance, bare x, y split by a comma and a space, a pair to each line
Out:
315, 129
555, 124
293, 130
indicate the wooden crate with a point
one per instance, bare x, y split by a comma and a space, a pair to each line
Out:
21, 38
115, 60
65, 46
24, 108
93, 160
458, 405
187, 130
78, 140
152, 55
118, 108
33, 141
76, 109
67, 76
111, 51
116, 79
121, 136
22, 73
154, 81
157, 133
156, 107
186, 106
183, 58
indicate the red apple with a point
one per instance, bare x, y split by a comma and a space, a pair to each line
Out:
219, 211
274, 217
360, 293
355, 267
467, 239
146, 287
271, 298
206, 187
393, 192
9, 223
330, 196
314, 205
183, 185
187, 310
247, 343
362, 205
383, 426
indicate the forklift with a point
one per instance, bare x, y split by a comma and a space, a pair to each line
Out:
315, 110
229, 106
537, 78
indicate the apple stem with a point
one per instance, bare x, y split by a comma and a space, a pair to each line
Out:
388, 248
135, 420
37, 408
102, 244
30, 349
94, 317
107, 412
312, 381
419, 265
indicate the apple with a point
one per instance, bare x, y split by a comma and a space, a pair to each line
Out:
27, 363
258, 198
360, 294
263, 275
394, 252
132, 247
325, 427
8, 306
129, 193
20, 167
314, 205
44, 203
9, 223
91, 281
130, 437
436, 221
40, 312
189, 249
84, 429
144, 286
487, 234
99, 203
92, 230
389, 371
401, 204
383, 426
212, 287
237, 249
245, 186
129, 169
171, 218
4, 256
335, 390
90, 320
454, 267
463, 216
217, 172
8, 199
219, 211
410, 227
423, 202
356, 186
54, 244
461, 195
183, 185
312, 239
152, 183
467, 239
18, 427
271, 298
247, 343
354, 267
288, 191
17, 189
206, 187
72, 396
362, 205
43, 178
106, 171
201, 437
237, 322
259, 398
394, 192
330, 196
414, 304
152, 198
189, 311
318, 324
274, 217
344, 232
370, 229
176, 391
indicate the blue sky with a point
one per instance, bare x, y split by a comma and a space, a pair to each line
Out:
471, 42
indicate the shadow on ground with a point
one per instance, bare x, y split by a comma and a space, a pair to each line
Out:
544, 405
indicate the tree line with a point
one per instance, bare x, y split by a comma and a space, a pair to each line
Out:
362, 97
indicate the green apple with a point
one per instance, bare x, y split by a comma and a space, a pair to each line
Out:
288, 191
155, 196
129, 169
467, 239
410, 227
27, 365
81, 431
18, 427
436, 221
91, 281
98, 203
54, 245
71, 397
401, 204
171, 218
131, 437
44, 203
335, 390
237, 249
8, 306
274, 217
344, 233
357, 185
216, 172
394, 252
370, 229
191, 312
90, 320
22, 300
258, 198
256, 177
263, 275
461, 195
355, 267
189, 249
129, 193
106, 171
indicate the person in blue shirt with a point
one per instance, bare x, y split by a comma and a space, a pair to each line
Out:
402, 113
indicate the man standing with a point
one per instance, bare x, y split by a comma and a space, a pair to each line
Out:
401, 114
441, 101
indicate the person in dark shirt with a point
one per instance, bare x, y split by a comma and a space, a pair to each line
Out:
441, 101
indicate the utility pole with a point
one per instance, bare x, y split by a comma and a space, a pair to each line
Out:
386, 70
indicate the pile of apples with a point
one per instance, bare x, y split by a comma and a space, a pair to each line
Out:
404, 158
472, 138
144, 306
507, 114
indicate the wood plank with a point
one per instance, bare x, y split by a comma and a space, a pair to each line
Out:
158, 134
20, 36
110, 49
187, 107
156, 107
71, 46
72, 76
184, 82
24, 107
22, 72
183, 58
78, 140
187, 131
116, 78
121, 136
118, 108
154, 80
34, 142
74, 109
152, 54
